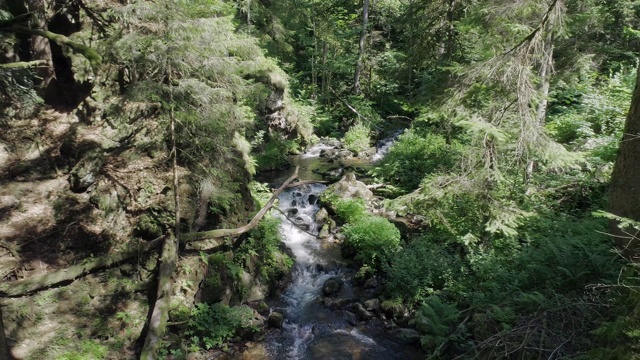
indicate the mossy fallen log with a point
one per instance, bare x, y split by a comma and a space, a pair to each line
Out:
39, 282
204, 241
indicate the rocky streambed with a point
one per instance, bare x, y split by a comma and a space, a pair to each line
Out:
325, 313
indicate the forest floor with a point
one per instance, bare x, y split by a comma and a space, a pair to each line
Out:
46, 227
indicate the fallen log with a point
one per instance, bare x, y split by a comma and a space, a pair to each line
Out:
305, 182
220, 233
206, 240
44, 281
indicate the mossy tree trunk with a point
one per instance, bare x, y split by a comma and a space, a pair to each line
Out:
4, 349
624, 195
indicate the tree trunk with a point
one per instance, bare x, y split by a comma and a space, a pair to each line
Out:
541, 112
625, 181
168, 260
160, 313
451, 30
323, 90
363, 36
314, 65
4, 348
40, 47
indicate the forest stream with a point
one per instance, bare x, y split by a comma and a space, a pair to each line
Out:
313, 330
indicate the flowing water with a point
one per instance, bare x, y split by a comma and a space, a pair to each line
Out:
311, 330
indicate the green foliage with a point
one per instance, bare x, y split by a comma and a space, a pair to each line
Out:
85, 350
423, 267
372, 240
188, 58
350, 210
617, 337
357, 139
589, 115
274, 153
223, 273
439, 324
414, 156
210, 326
262, 248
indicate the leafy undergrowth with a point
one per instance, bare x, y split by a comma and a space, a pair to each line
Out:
541, 299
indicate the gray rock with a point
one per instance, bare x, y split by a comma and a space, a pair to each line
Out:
407, 336
255, 290
85, 172
324, 232
322, 216
338, 303
8, 202
333, 174
372, 305
371, 283
350, 188
350, 318
328, 153
343, 154
332, 286
361, 312
275, 320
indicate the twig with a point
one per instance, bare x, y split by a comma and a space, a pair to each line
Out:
347, 104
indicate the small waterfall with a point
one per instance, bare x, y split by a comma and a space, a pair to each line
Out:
383, 146
315, 150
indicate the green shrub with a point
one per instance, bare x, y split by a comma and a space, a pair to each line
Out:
274, 153
413, 157
350, 210
423, 267
357, 138
372, 240
263, 248
212, 325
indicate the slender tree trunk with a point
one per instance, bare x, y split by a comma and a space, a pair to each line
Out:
363, 36
314, 65
625, 181
330, 72
249, 12
410, 63
451, 30
541, 112
168, 260
323, 90
40, 47
4, 348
